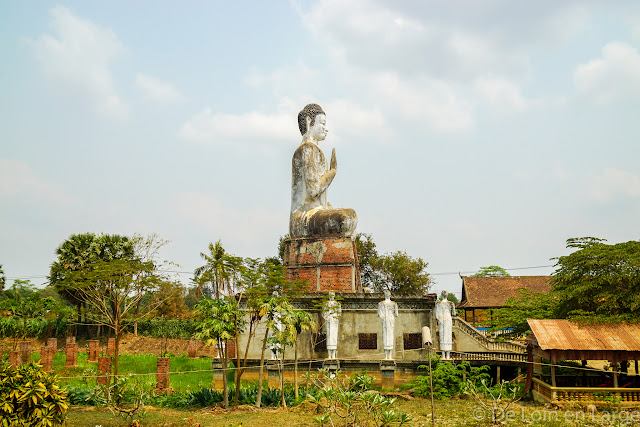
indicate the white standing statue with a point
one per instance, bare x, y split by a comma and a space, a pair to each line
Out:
387, 312
331, 315
445, 309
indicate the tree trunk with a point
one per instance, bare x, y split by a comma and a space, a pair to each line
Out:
284, 402
261, 371
295, 369
225, 385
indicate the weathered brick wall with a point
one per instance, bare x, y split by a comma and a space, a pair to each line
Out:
46, 358
192, 348
14, 358
53, 343
111, 346
25, 351
162, 373
71, 352
104, 370
71, 340
94, 347
325, 262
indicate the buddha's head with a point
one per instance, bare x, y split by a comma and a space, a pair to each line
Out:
312, 122
387, 294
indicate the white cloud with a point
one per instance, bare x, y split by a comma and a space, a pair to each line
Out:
17, 179
77, 58
613, 183
157, 90
613, 77
500, 94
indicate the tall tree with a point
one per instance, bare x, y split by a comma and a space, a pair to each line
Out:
491, 271
367, 257
2, 278
598, 282
525, 305
402, 274
219, 271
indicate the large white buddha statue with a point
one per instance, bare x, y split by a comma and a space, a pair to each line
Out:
311, 175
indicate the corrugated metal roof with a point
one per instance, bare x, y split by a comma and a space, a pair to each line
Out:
560, 334
481, 292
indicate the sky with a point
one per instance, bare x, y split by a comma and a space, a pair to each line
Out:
467, 133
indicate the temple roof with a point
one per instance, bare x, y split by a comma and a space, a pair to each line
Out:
561, 334
492, 292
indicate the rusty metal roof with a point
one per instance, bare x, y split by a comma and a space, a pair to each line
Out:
561, 334
491, 292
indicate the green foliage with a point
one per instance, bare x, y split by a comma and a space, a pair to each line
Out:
29, 396
218, 272
367, 256
491, 271
2, 278
598, 282
160, 327
447, 378
350, 401
516, 310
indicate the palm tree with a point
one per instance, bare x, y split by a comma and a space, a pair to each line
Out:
218, 271
2, 278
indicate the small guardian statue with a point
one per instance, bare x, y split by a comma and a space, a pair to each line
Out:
445, 311
387, 312
331, 315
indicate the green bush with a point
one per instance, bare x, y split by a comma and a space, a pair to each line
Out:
159, 327
447, 378
29, 396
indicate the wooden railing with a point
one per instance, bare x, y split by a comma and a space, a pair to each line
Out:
488, 342
627, 396
490, 355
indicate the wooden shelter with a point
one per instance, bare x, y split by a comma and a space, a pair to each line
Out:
482, 295
558, 340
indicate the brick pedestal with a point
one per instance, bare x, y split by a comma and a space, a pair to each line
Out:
46, 358
111, 346
162, 373
53, 343
14, 358
71, 340
193, 348
104, 370
94, 347
71, 352
327, 263
25, 351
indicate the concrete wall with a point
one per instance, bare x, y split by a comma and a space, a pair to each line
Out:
359, 315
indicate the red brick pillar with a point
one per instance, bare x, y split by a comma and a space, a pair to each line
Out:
111, 346
231, 349
14, 358
71, 340
53, 342
94, 346
25, 351
193, 348
104, 370
162, 373
71, 352
46, 358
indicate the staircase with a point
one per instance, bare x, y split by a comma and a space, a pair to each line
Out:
489, 344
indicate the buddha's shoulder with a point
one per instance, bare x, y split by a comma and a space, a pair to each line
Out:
306, 148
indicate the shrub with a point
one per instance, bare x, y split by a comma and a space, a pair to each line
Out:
29, 396
447, 378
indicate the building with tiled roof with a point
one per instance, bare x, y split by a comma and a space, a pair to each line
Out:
482, 295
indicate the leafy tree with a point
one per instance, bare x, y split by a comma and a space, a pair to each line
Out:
526, 305
112, 282
598, 282
367, 257
491, 271
218, 322
218, 272
451, 297
169, 301
402, 274
2, 278
448, 378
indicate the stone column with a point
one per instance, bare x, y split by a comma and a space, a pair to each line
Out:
46, 358
387, 373
94, 346
53, 342
14, 358
162, 373
71, 352
192, 348
273, 373
218, 374
104, 370
111, 346
25, 351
